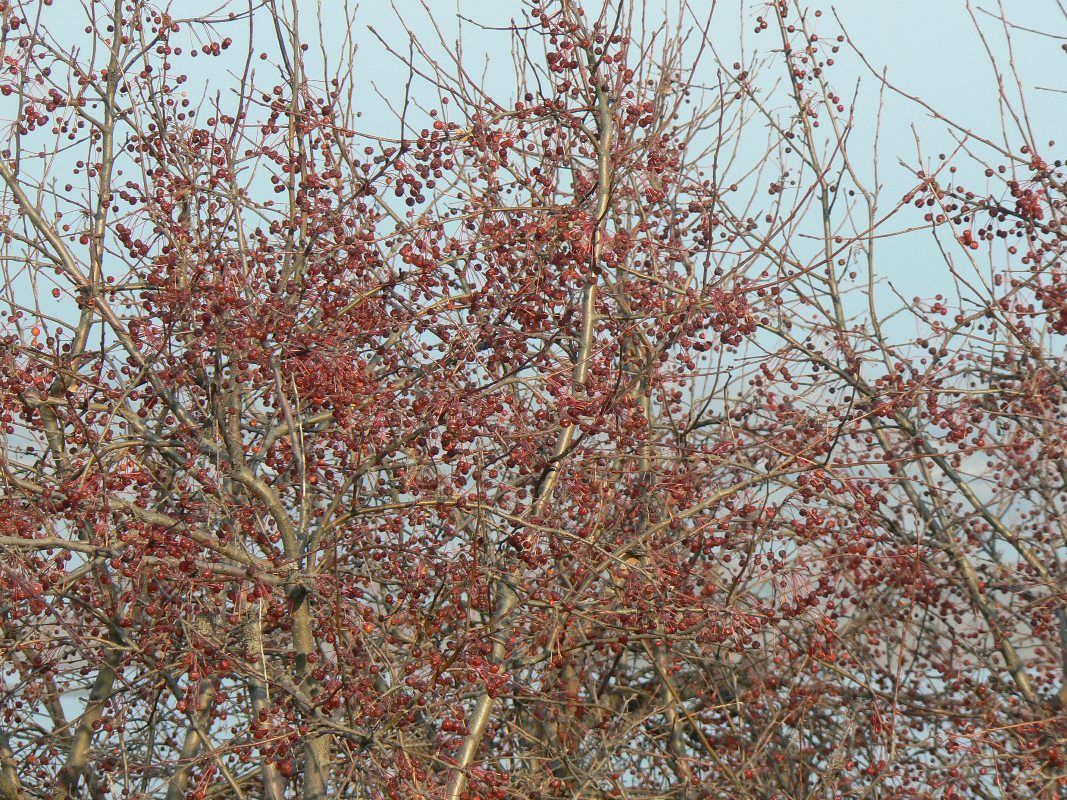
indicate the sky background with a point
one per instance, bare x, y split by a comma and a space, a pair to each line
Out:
943, 51
929, 48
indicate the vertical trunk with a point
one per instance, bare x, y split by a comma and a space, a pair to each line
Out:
273, 783
179, 782
10, 787
316, 748
259, 697
78, 752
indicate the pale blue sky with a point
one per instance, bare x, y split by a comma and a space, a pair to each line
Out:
929, 48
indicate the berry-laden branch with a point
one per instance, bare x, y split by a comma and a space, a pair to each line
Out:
507, 599
649, 423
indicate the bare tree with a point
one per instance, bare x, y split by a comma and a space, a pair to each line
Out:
568, 443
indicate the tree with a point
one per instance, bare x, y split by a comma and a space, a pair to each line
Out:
564, 444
